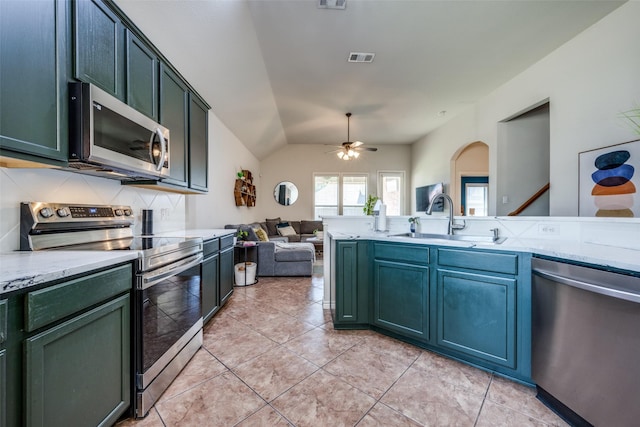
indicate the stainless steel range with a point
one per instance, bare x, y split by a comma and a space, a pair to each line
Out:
167, 314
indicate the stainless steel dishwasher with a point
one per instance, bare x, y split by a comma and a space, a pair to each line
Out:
586, 343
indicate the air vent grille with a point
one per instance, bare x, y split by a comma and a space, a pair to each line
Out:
361, 57
332, 4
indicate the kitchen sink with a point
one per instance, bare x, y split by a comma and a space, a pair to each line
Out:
454, 237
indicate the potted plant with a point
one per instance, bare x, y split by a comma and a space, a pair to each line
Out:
242, 234
318, 234
368, 206
413, 221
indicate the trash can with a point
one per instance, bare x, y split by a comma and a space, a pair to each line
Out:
245, 273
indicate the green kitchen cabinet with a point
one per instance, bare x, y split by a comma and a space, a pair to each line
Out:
33, 81
77, 373
226, 270
141, 68
68, 351
210, 279
3, 363
174, 112
198, 144
401, 289
350, 302
99, 47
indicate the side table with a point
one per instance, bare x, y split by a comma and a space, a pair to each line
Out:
240, 250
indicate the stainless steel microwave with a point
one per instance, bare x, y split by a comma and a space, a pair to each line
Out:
111, 139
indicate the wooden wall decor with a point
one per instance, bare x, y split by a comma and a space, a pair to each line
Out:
244, 191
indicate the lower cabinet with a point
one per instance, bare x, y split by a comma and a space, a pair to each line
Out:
210, 286
226, 273
3, 388
350, 289
77, 373
401, 298
477, 316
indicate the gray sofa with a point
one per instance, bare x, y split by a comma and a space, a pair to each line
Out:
304, 229
278, 257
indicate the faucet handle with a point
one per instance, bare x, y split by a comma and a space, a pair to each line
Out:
496, 233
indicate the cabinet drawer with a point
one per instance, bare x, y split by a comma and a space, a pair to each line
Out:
3, 321
406, 253
56, 302
483, 261
226, 241
211, 246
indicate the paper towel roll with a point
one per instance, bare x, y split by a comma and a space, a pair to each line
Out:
382, 218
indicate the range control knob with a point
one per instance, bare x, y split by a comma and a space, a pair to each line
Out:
128, 212
119, 212
62, 212
46, 212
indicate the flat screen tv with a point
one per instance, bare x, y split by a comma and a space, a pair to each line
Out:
425, 194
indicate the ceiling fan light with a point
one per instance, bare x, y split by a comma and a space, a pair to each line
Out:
355, 154
351, 153
340, 154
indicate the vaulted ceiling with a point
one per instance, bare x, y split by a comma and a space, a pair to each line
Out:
276, 72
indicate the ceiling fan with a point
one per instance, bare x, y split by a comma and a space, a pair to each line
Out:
351, 150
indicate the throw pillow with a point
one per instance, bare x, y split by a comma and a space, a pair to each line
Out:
262, 235
286, 231
271, 226
282, 224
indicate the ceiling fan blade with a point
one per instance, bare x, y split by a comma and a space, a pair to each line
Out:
367, 149
334, 151
356, 144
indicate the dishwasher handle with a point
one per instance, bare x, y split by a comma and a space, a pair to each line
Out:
590, 287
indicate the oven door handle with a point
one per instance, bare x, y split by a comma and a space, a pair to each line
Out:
150, 279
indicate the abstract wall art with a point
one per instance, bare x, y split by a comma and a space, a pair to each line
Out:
609, 181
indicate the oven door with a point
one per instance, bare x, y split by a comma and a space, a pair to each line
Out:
168, 317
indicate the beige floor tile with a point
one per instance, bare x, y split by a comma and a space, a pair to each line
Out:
282, 328
265, 417
494, 415
383, 416
390, 346
151, 420
236, 348
311, 313
320, 345
522, 399
432, 401
274, 372
201, 367
474, 380
323, 400
222, 401
370, 371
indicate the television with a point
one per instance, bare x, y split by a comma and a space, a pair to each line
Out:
425, 194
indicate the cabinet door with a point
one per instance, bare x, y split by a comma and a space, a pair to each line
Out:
351, 299
198, 142
78, 373
33, 82
401, 298
226, 275
99, 47
174, 97
477, 315
210, 283
3, 388
141, 76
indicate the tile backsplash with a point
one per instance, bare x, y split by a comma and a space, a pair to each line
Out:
56, 186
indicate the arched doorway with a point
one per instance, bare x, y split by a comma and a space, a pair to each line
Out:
470, 171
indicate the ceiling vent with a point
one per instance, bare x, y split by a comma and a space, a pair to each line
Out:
361, 57
332, 4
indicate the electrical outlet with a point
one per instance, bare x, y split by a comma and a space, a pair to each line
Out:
548, 229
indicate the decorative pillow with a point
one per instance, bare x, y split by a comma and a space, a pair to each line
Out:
271, 226
273, 219
286, 231
262, 235
282, 224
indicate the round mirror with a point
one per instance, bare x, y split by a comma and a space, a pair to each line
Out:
286, 193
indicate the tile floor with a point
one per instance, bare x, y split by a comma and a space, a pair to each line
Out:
272, 358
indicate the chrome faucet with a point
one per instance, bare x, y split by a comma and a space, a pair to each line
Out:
452, 226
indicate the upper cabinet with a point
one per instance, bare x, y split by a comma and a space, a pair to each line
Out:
174, 113
198, 144
99, 47
33, 81
141, 76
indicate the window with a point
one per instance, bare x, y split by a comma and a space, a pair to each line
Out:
475, 195
391, 191
339, 194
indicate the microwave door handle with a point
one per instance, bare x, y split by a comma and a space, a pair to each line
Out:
163, 149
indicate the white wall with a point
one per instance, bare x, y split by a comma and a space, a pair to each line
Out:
298, 162
227, 155
588, 82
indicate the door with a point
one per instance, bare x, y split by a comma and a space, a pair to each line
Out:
210, 283
78, 373
401, 298
141, 77
33, 86
226, 274
474, 195
198, 150
174, 98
